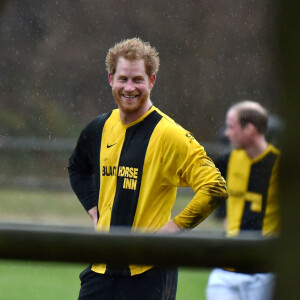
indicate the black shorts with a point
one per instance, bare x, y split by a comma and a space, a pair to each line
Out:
155, 284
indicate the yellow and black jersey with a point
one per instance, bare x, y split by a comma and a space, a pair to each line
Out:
253, 192
131, 173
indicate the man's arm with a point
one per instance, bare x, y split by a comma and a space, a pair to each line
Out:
81, 172
84, 187
192, 167
93, 212
84, 166
210, 191
171, 227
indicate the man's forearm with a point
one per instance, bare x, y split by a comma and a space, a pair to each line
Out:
84, 186
170, 227
93, 212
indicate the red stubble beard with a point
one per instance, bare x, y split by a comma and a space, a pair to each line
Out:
129, 105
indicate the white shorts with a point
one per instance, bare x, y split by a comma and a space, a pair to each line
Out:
226, 285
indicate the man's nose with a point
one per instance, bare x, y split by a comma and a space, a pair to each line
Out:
129, 86
226, 133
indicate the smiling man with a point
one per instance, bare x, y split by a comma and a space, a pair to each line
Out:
251, 172
126, 168
131, 88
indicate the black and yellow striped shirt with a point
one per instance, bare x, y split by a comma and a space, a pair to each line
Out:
253, 191
131, 172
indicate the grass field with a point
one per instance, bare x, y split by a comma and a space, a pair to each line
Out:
49, 280
54, 281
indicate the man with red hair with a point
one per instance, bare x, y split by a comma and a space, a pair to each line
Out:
126, 168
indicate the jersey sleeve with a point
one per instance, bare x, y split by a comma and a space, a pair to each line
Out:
81, 171
84, 163
187, 164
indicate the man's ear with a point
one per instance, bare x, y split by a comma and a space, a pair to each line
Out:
110, 79
250, 129
152, 80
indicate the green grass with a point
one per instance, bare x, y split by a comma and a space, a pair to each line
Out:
192, 284
36, 280
46, 207
63, 208
49, 280
54, 281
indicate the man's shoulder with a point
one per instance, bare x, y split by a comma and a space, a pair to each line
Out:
173, 133
165, 117
274, 150
170, 123
95, 126
98, 121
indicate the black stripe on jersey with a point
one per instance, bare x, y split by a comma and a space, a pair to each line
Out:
96, 143
258, 183
84, 164
96, 149
133, 155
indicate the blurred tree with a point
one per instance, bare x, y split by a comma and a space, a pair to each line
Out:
213, 53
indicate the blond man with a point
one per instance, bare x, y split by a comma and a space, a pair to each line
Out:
125, 170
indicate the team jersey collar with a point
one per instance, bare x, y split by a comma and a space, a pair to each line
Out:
259, 157
139, 119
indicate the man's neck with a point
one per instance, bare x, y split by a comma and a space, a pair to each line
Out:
257, 148
129, 117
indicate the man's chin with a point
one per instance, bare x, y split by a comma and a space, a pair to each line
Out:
237, 147
128, 107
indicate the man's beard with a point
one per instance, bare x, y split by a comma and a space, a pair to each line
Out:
130, 106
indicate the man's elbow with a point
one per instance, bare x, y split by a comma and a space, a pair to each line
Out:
218, 196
